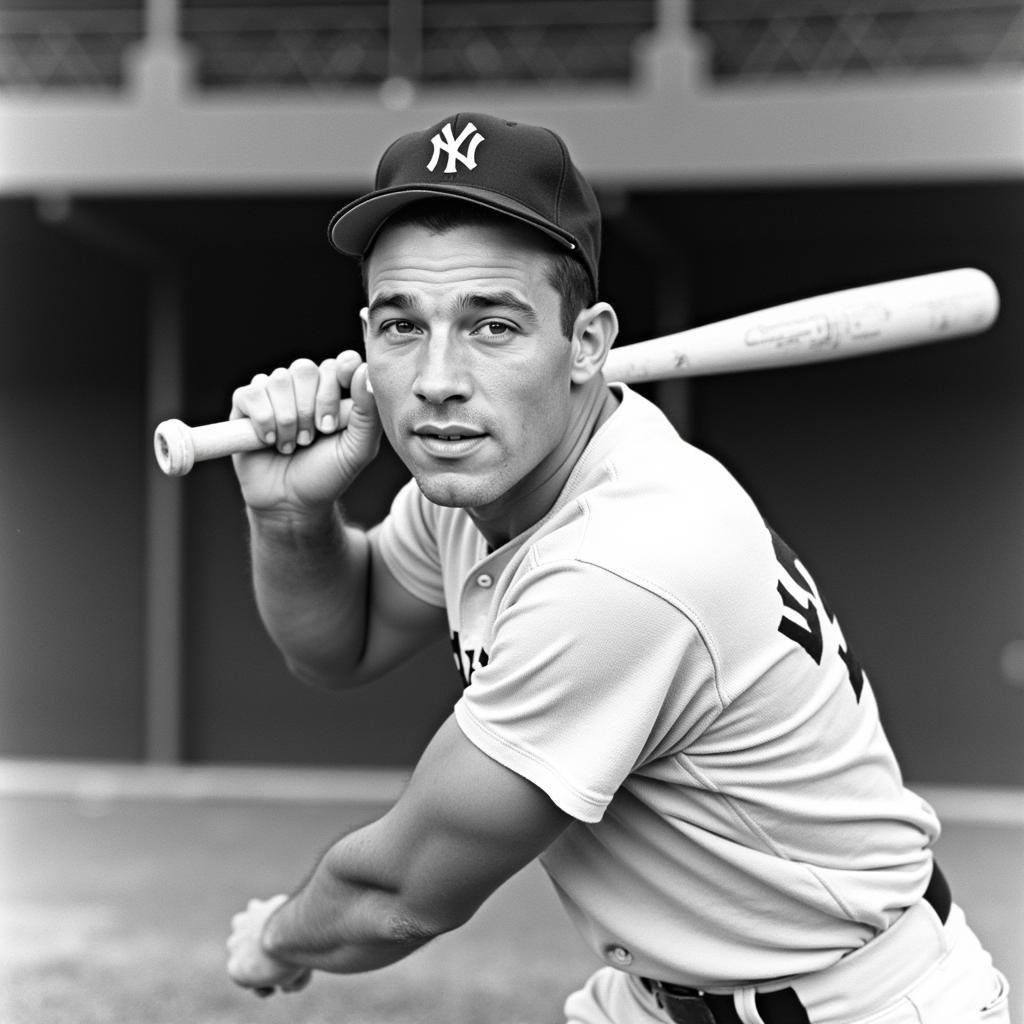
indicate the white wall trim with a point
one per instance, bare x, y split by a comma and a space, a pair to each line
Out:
99, 781
105, 781
975, 805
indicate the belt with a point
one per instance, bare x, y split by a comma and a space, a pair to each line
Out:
692, 1006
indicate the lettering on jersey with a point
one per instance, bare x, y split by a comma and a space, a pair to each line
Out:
468, 660
803, 608
807, 631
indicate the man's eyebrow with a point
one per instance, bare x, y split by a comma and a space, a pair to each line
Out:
500, 299
401, 301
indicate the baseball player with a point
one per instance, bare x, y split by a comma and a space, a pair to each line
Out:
658, 702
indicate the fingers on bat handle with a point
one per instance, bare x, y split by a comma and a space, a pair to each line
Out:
178, 447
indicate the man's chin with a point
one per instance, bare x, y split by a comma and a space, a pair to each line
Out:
453, 490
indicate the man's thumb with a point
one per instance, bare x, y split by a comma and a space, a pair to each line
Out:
362, 392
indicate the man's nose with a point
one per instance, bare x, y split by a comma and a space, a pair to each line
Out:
442, 373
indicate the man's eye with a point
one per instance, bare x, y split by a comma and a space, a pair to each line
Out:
494, 329
397, 327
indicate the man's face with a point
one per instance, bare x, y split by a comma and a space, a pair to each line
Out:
470, 370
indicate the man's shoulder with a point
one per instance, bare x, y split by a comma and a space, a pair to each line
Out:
651, 483
641, 443
661, 512
677, 514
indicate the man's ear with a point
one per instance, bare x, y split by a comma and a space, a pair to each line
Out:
593, 333
364, 316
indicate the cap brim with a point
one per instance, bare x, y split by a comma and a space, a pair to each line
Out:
353, 228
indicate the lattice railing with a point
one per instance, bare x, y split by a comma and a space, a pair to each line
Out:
297, 45
832, 38
552, 41
321, 46
560, 40
78, 48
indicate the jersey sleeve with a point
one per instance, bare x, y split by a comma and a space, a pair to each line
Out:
407, 542
590, 676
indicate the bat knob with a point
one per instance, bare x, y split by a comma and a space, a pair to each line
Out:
172, 443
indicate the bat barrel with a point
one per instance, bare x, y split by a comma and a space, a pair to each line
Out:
857, 321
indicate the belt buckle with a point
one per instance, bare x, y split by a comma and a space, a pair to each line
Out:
684, 1008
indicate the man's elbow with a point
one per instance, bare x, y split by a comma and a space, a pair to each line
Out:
433, 916
404, 930
388, 938
331, 678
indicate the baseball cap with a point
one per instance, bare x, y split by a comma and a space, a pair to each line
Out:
521, 170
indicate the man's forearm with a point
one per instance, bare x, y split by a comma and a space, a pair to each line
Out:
309, 578
345, 919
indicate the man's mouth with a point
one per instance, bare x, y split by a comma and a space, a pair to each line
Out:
448, 440
448, 433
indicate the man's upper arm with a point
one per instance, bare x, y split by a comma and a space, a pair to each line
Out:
464, 825
399, 624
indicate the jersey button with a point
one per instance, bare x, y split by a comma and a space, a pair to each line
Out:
484, 580
619, 955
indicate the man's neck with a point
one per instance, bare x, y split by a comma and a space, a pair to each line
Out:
533, 497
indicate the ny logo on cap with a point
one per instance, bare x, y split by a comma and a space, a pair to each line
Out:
445, 140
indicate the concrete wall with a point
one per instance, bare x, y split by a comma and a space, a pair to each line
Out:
71, 512
895, 477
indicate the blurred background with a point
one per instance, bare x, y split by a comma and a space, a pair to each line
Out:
166, 176
167, 172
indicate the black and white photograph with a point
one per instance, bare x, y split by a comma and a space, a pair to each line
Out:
511, 513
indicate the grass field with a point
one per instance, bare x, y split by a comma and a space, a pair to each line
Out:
115, 911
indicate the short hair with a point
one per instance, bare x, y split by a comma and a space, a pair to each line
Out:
565, 273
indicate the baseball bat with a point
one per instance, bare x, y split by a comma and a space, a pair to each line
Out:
852, 322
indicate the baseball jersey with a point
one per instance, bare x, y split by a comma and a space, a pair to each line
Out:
658, 661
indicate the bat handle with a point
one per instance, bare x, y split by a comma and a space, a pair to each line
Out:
179, 447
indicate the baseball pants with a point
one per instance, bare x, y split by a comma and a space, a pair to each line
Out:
920, 971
